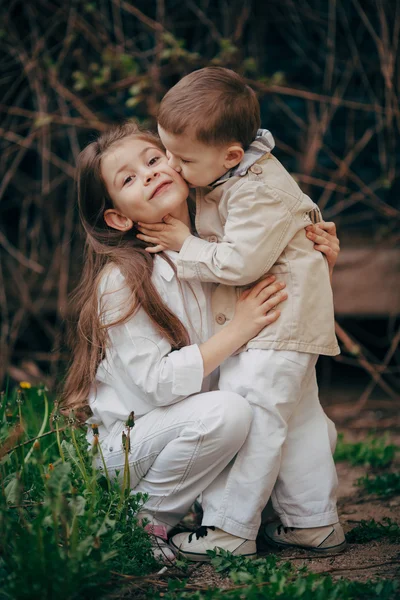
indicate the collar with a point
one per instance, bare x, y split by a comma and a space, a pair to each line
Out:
262, 144
163, 267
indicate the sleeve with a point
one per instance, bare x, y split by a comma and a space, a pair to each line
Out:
164, 376
259, 226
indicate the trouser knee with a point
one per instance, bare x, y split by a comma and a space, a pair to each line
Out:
235, 417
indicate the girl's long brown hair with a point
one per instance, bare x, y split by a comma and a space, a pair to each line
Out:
104, 245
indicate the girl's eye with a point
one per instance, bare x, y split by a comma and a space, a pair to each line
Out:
128, 179
185, 162
153, 160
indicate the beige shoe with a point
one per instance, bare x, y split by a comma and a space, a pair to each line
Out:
194, 546
328, 539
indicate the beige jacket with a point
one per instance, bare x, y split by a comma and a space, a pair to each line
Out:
253, 225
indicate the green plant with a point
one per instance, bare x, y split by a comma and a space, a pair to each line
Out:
374, 530
269, 579
64, 526
374, 452
385, 485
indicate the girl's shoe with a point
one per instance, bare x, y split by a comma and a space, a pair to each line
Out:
328, 539
193, 546
159, 541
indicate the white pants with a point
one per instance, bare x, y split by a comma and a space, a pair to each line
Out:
288, 447
178, 450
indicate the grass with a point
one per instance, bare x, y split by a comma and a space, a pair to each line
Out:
367, 531
68, 531
373, 452
63, 526
270, 579
385, 485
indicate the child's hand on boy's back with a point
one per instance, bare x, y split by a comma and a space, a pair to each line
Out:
168, 235
325, 240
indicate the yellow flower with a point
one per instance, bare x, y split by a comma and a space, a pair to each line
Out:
25, 385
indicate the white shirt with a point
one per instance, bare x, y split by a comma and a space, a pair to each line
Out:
140, 371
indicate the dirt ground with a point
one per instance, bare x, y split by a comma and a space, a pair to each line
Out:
378, 559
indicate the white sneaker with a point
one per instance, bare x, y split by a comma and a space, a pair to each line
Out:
328, 539
194, 546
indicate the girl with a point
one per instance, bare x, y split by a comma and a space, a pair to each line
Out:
144, 340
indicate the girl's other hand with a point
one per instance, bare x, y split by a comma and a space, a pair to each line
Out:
168, 235
325, 240
255, 308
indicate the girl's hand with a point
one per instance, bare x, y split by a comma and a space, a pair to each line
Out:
253, 313
254, 309
325, 240
168, 235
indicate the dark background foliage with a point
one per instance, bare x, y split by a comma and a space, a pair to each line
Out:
327, 74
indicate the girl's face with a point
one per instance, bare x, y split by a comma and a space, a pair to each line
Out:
140, 183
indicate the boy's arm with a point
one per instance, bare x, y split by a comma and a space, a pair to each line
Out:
258, 228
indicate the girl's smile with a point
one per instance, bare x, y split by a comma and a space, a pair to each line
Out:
162, 187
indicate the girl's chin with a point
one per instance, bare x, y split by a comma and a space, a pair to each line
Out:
173, 203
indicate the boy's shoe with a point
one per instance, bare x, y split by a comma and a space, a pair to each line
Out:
159, 543
328, 539
193, 546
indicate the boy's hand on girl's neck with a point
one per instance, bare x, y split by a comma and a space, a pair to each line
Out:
168, 235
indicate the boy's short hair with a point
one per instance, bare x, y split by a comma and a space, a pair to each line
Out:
214, 104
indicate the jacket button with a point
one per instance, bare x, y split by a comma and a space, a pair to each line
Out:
256, 169
220, 318
111, 448
213, 238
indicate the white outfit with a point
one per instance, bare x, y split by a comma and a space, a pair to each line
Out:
180, 444
178, 450
290, 436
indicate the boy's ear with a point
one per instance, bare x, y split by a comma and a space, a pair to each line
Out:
233, 156
116, 220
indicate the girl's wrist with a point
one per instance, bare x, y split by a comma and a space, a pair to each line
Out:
237, 334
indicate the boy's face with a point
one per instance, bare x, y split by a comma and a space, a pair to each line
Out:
199, 164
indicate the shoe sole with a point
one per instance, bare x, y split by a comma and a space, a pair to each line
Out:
325, 551
195, 557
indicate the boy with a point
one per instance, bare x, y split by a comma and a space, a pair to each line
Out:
250, 216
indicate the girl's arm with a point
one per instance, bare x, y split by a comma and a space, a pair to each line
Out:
325, 240
161, 376
253, 312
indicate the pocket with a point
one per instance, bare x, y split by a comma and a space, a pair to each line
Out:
144, 464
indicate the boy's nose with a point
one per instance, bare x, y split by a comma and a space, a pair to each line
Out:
174, 162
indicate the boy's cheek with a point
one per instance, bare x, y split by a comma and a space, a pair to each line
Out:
193, 177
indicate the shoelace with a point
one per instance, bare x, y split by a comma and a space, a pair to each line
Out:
285, 529
200, 532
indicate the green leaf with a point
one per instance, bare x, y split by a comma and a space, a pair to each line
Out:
13, 491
